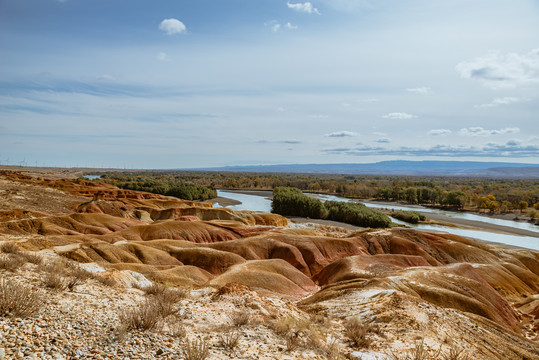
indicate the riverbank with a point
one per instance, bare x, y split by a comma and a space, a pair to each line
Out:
463, 223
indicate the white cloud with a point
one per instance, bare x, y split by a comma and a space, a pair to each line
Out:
305, 7
497, 70
162, 56
318, 116
501, 101
424, 90
383, 141
479, 131
172, 26
512, 148
439, 132
290, 26
341, 134
399, 115
276, 26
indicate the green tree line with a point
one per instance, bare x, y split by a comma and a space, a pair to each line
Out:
493, 195
167, 186
292, 202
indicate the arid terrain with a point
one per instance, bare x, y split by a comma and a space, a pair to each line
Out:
120, 274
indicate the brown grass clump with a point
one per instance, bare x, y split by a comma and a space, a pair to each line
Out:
240, 318
358, 333
144, 317
420, 352
229, 339
106, 281
11, 262
18, 300
196, 350
9, 248
31, 258
167, 300
456, 353
54, 281
154, 289
176, 329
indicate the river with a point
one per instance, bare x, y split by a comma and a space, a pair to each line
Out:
260, 203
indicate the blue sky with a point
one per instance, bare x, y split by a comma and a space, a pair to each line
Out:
171, 84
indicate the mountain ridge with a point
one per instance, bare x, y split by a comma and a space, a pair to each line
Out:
398, 167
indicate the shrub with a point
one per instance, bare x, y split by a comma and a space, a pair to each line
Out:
176, 329
420, 352
456, 353
240, 318
196, 350
293, 341
167, 300
9, 248
229, 339
357, 332
31, 258
54, 281
11, 262
412, 217
18, 300
144, 317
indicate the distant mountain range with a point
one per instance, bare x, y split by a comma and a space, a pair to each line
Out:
399, 167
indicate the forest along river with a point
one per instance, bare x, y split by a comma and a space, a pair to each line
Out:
258, 201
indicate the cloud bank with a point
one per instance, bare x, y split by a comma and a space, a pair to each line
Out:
479, 131
399, 115
305, 7
496, 70
340, 134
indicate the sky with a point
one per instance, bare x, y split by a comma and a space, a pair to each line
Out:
201, 83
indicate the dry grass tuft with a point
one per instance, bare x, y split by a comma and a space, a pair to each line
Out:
144, 317
456, 353
18, 300
358, 333
11, 262
196, 350
167, 301
229, 339
154, 289
31, 258
293, 341
176, 329
106, 281
10, 248
240, 318
54, 281
332, 350
420, 352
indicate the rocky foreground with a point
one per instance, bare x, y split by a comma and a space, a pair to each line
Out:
104, 273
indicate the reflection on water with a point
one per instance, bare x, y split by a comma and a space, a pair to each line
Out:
248, 202
453, 214
260, 203
92, 177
